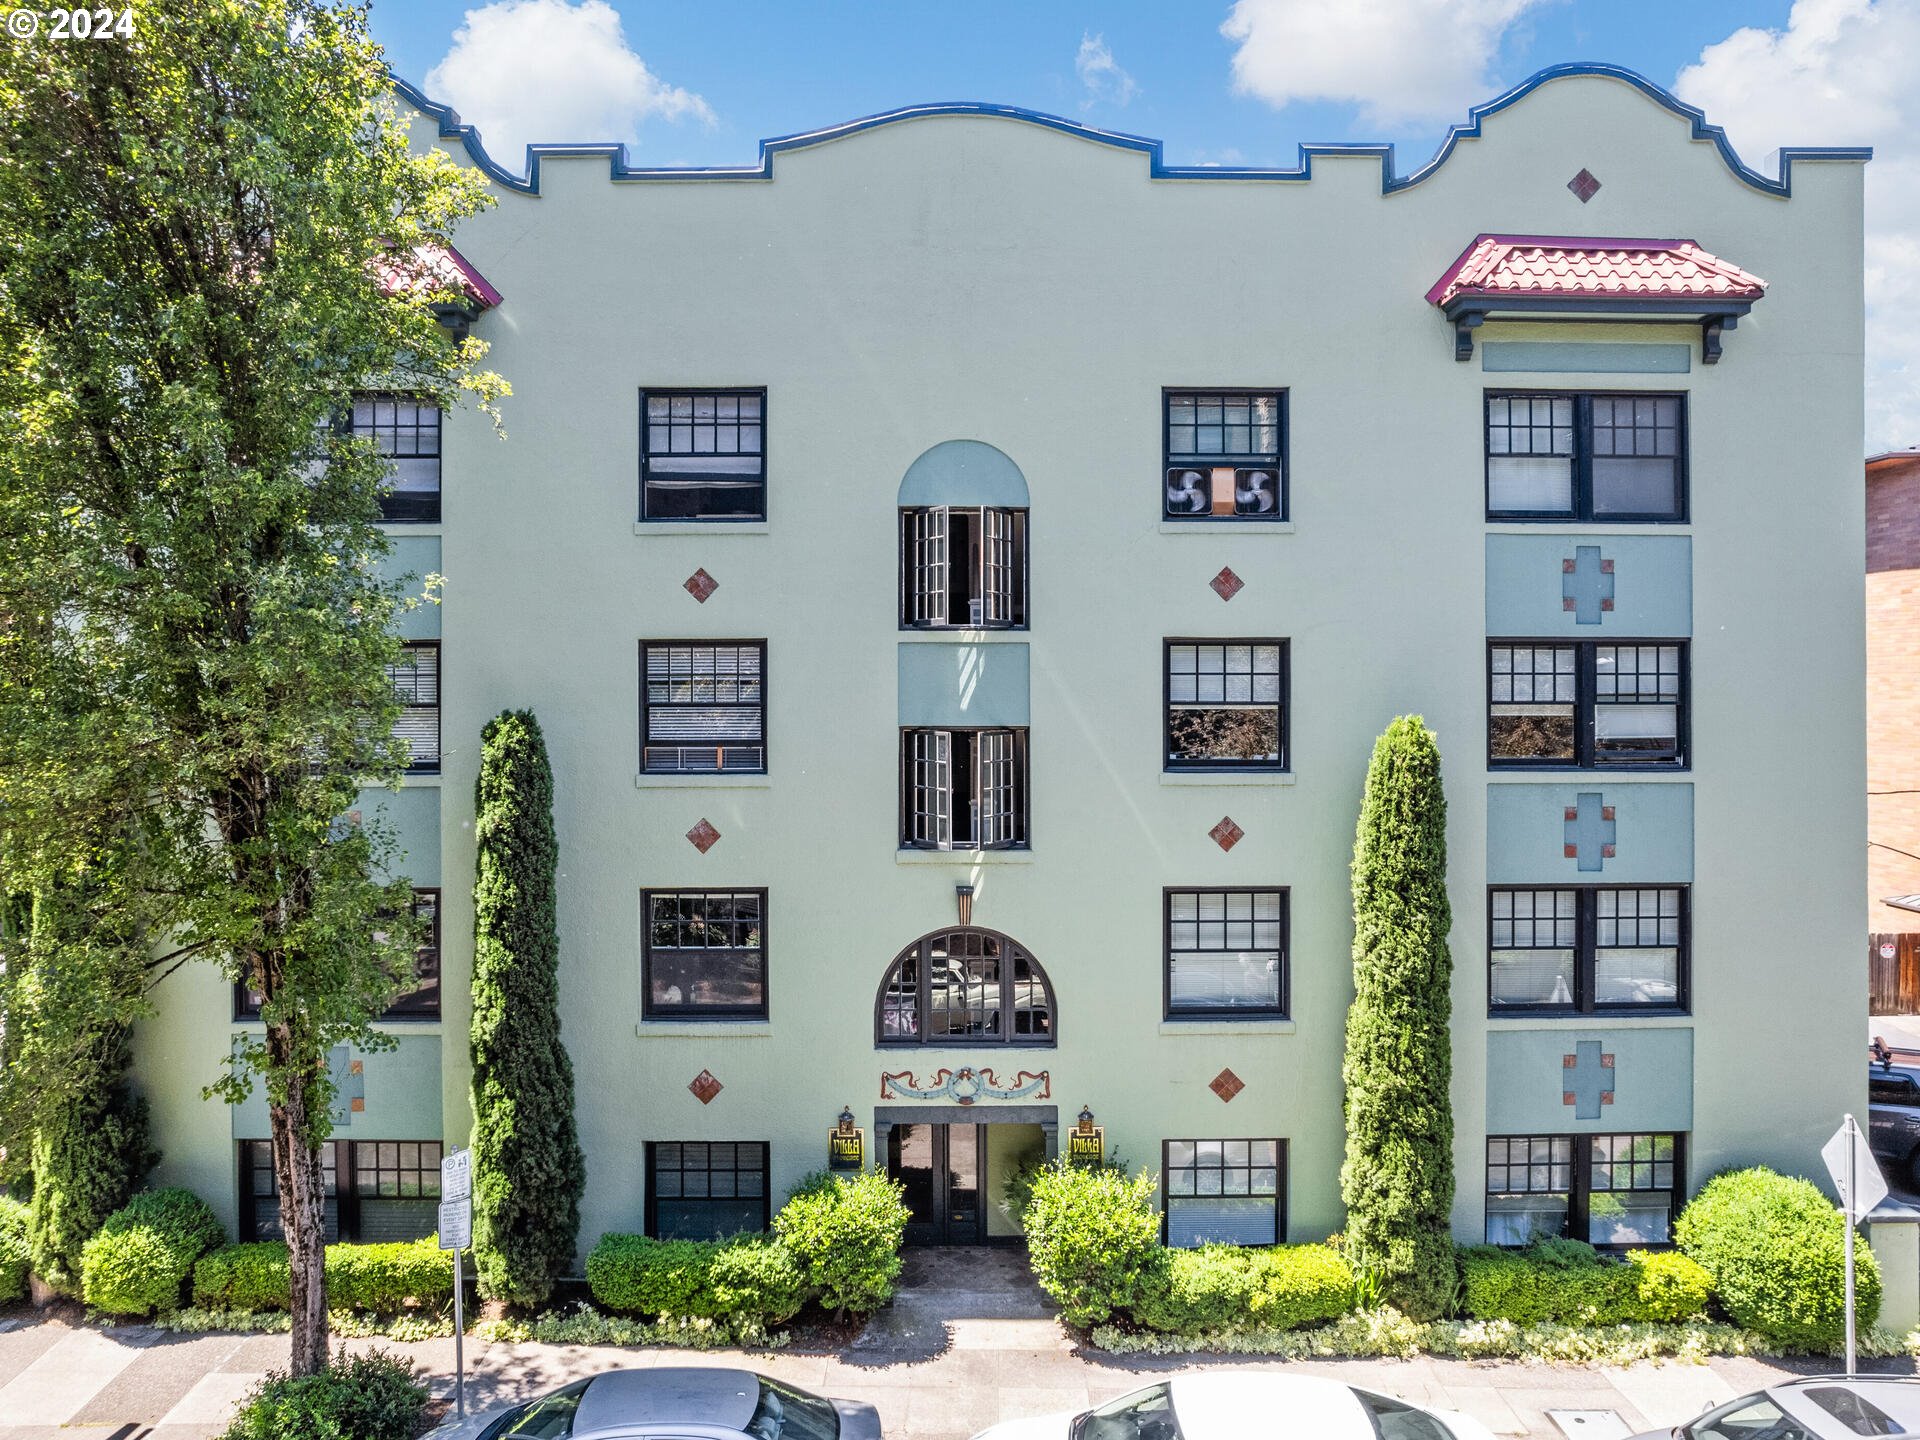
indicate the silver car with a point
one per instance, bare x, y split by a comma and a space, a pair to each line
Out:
1823, 1407
1893, 1120
683, 1402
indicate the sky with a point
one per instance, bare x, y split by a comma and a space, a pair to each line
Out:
1235, 82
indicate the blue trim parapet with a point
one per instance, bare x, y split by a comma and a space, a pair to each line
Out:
451, 128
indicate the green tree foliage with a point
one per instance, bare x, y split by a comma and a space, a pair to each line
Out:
1397, 1181
210, 240
528, 1170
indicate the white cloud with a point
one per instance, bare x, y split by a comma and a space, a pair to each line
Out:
1100, 74
1398, 60
544, 70
1841, 73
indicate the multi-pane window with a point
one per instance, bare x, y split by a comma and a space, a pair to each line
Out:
1226, 705
1555, 703
420, 1002
964, 987
1569, 456
407, 432
703, 455
1586, 948
1225, 455
376, 1190
1224, 1191
416, 680
1615, 1190
963, 789
705, 953
706, 1189
703, 706
963, 568
1226, 953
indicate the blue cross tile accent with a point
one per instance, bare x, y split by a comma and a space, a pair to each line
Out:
1586, 1080
349, 1085
1589, 832
1586, 585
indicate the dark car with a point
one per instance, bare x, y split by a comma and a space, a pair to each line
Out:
1821, 1407
685, 1403
1893, 1118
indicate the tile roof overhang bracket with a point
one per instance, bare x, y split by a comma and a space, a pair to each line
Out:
1468, 312
1463, 327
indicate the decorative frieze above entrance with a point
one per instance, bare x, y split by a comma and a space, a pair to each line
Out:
966, 1085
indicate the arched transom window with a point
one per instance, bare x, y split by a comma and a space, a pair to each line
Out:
965, 987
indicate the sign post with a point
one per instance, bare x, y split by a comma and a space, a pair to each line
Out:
1856, 1175
456, 1233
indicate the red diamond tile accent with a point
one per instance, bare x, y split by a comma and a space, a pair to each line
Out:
700, 585
705, 1087
1566, 1097
1227, 584
1226, 1085
1226, 834
1584, 185
704, 836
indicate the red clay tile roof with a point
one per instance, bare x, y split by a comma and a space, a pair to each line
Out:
1515, 266
437, 269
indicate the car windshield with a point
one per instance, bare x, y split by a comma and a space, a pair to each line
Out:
1396, 1420
1143, 1415
1753, 1418
787, 1414
548, 1418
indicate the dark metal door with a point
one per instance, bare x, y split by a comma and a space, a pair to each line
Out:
940, 1168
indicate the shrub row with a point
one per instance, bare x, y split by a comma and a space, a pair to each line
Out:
1223, 1287
382, 1278
141, 1259
1567, 1281
15, 1258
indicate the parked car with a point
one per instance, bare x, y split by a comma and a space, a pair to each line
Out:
683, 1402
1820, 1407
1234, 1404
1893, 1118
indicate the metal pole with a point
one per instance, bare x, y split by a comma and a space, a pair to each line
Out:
1847, 1205
460, 1330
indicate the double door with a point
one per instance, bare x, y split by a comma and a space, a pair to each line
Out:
940, 1167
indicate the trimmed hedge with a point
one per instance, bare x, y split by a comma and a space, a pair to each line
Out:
144, 1254
748, 1279
383, 1278
1093, 1239
1774, 1246
15, 1259
361, 1397
845, 1239
1224, 1287
1555, 1281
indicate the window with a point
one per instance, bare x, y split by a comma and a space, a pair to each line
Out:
376, 1190
1225, 455
1567, 456
1751, 1417
1226, 953
1604, 1189
407, 432
422, 1002
1226, 704
1224, 1191
704, 1189
703, 455
1586, 948
1886, 1087
964, 987
705, 953
416, 680
703, 707
963, 569
1585, 704
963, 789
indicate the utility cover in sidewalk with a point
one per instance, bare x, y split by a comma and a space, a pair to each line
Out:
1589, 1424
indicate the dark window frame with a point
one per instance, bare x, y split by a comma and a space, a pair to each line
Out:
406, 507
1246, 460
431, 765
1018, 519
1284, 706
1280, 1189
1586, 948
1021, 809
405, 1007
650, 473
1580, 1182
1587, 700
1582, 508
1234, 1012
719, 745
651, 1213
650, 1010
344, 1154
1008, 1036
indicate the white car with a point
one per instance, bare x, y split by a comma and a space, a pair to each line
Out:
1235, 1405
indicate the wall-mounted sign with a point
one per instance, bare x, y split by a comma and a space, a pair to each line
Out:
1888, 949
846, 1149
1087, 1145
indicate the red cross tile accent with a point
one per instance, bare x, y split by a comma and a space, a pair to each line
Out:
703, 836
1583, 185
1226, 1085
700, 585
705, 1087
1226, 834
1227, 584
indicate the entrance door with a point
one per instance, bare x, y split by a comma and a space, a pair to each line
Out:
939, 1165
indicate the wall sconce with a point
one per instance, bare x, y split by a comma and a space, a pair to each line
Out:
963, 897
1086, 1120
846, 1119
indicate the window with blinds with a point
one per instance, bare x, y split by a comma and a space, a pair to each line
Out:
406, 429
1226, 953
963, 568
1225, 455
703, 707
1578, 456
1586, 704
1228, 1192
1586, 948
1613, 1191
703, 455
963, 789
416, 680
375, 1190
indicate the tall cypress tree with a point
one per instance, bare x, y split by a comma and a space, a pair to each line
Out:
1397, 1181
528, 1169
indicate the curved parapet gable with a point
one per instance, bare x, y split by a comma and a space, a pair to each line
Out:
451, 128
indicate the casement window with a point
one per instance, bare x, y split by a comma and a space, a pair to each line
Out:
1586, 948
703, 455
416, 680
963, 568
1225, 455
1574, 456
421, 1002
1226, 953
1559, 704
705, 954
1226, 704
706, 1189
963, 789
703, 706
375, 1190
407, 431
1609, 1190
964, 987
1229, 1192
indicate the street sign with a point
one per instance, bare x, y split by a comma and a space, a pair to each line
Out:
456, 1223
456, 1175
1860, 1196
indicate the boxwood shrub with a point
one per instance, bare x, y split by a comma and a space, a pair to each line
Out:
383, 1278
1093, 1238
15, 1260
1221, 1287
845, 1239
752, 1278
360, 1397
1774, 1246
144, 1254
1567, 1281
